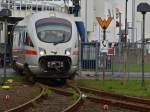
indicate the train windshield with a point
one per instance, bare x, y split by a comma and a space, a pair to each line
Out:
53, 30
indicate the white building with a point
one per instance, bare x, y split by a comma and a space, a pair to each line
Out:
138, 21
104, 9
90, 9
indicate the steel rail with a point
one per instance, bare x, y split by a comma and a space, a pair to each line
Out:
118, 96
121, 104
44, 89
61, 91
74, 107
29, 103
127, 102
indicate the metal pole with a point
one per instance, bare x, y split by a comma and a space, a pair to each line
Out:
120, 43
133, 20
126, 23
5, 51
97, 59
104, 34
112, 64
125, 50
143, 41
136, 35
86, 14
104, 66
104, 57
119, 28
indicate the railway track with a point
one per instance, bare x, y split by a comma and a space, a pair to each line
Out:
43, 93
116, 100
22, 107
87, 94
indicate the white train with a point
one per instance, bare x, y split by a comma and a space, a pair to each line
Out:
46, 45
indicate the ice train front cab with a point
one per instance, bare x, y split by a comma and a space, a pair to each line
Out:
58, 46
55, 41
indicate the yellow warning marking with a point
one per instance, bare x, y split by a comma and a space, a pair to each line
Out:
10, 80
104, 23
5, 87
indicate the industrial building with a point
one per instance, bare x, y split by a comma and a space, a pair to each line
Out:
89, 10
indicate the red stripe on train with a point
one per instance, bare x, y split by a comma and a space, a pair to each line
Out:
75, 53
28, 52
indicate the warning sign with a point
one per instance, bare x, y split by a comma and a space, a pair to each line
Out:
103, 23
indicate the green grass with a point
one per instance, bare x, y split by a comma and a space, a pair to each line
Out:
15, 79
49, 92
120, 68
131, 67
132, 87
137, 68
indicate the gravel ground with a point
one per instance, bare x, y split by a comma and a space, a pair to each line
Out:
16, 95
54, 103
95, 107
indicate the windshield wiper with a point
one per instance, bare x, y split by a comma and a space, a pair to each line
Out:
61, 41
55, 43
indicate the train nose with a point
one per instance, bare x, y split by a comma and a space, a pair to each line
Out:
55, 64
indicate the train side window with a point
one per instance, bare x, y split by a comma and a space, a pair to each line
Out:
23, 35
14, 36
19, 41
28, 41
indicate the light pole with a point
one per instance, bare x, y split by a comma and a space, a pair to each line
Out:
143, 8
143, 47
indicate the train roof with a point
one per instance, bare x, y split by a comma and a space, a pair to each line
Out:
46, 14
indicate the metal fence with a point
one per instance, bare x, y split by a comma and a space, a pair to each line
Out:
89, 57
128, 60
133, 59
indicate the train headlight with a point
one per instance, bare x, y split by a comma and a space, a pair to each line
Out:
68, 52
42, 51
